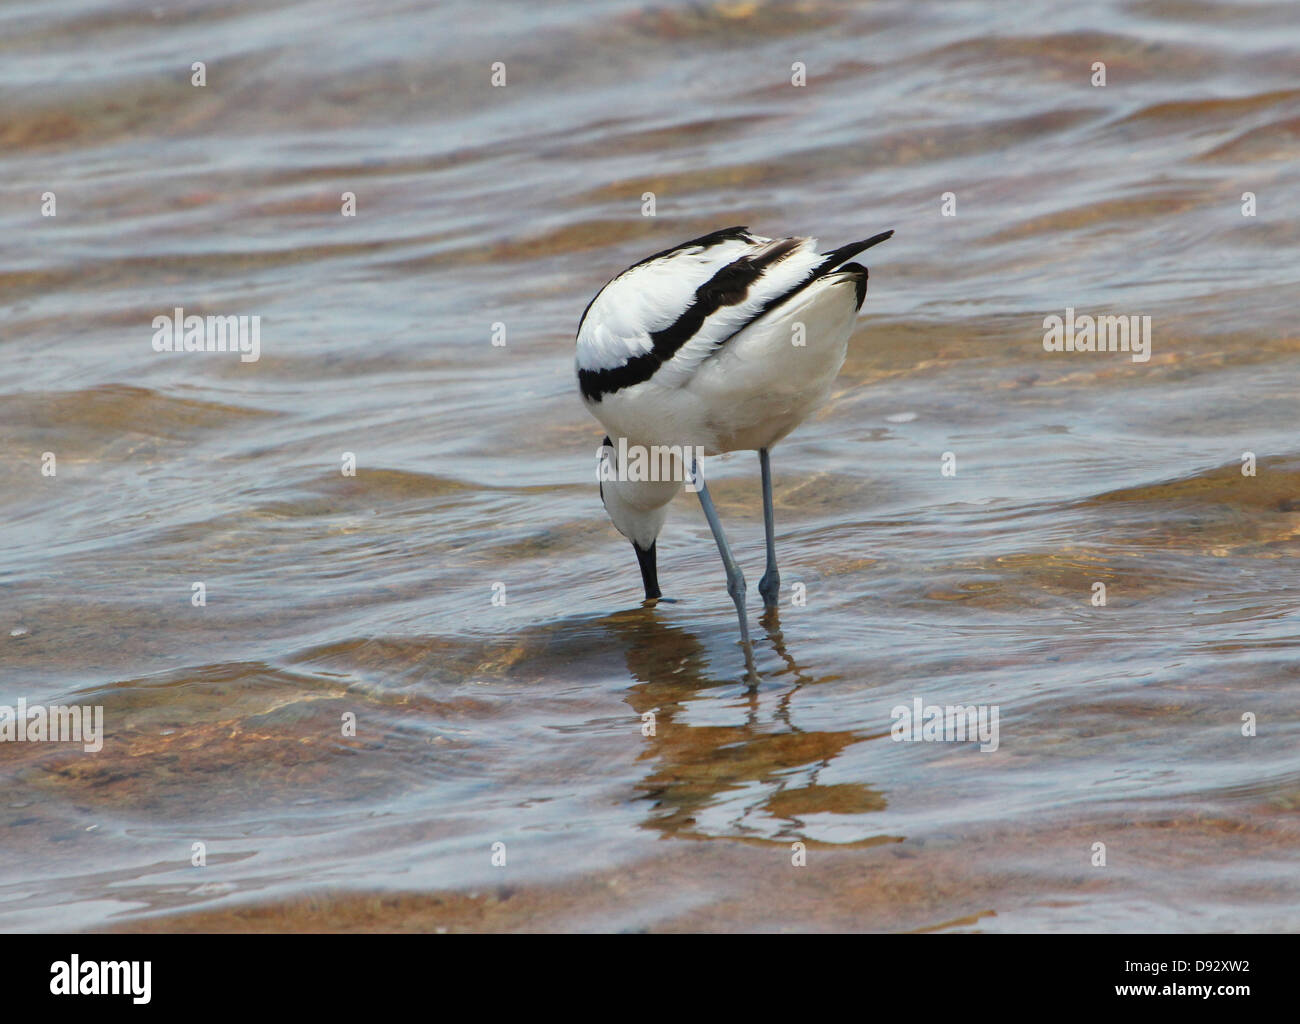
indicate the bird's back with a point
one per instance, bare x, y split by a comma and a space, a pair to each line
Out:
726, 342
780, 369
663, 316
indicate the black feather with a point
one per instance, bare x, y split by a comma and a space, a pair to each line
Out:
727, 287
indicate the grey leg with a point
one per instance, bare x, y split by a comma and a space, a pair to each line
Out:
770, 585
735, 578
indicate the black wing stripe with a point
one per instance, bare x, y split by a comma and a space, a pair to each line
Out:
729, 286
830, 263
739, 233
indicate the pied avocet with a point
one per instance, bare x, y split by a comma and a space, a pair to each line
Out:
723, 343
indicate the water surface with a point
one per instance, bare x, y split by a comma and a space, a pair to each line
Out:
521, 723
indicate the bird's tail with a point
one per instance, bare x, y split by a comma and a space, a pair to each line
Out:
846, 252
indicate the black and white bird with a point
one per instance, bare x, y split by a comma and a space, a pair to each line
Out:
723, 343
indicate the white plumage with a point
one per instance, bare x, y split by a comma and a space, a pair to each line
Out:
723, 343
651, 296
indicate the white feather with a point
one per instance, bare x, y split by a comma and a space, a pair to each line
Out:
750, 392
651, 296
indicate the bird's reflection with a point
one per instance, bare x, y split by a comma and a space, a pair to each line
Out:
755, 777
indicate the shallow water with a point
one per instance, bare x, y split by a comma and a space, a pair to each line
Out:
521, 723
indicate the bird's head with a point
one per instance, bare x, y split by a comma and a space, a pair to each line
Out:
636, 506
